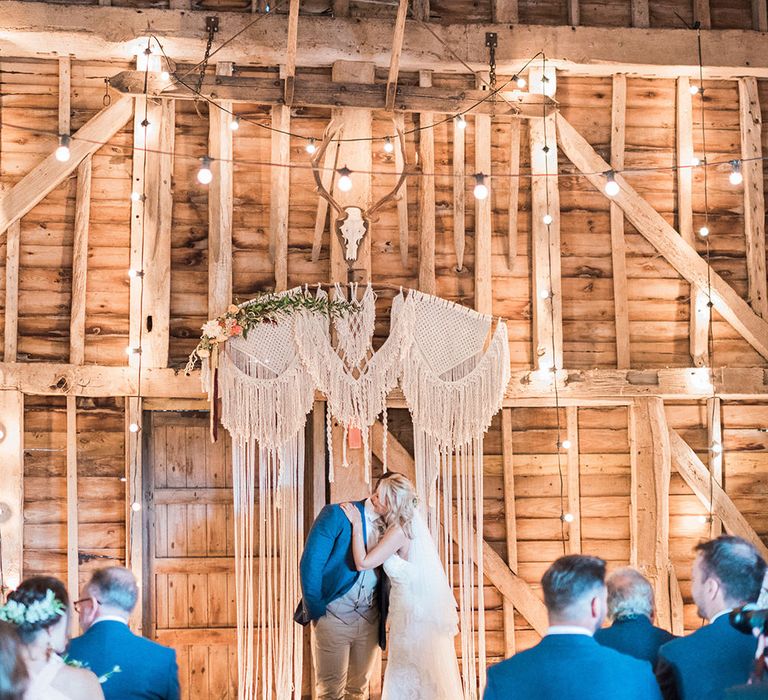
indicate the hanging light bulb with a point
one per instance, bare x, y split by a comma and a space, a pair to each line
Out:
716, 448
544, 294
132, 350
566, 444
132, 273
135, 506
135, 196
695, 162
165, 75
461, 122
388, 147
611, 186
736, 177
204, 175
481, 189
345, 181
703, 519
694, 89
234, 123
704, 231
568, 517
520, 81
62, 152
547, 219
134, 427
310, 147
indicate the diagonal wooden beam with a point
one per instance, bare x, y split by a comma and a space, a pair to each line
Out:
510, 585
505, 11
49, 174
665, 239
394, 61
698, 477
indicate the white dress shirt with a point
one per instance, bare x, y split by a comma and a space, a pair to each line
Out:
568, 629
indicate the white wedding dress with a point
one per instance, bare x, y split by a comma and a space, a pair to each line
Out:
40, 687
421, 661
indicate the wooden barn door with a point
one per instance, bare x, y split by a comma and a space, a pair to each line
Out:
189, 581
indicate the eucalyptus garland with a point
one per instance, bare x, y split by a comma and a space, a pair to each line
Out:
265, 308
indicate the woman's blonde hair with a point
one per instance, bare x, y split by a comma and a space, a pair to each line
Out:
398, 493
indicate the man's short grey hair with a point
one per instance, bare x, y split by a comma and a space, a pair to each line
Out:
629, 593
114, 586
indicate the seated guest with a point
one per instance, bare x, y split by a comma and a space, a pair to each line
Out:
631, 608
727, 572
568, 662
132, 667
39, 611
13, 672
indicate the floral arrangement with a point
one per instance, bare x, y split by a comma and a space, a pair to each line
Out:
103, 678
38, 611
266, 308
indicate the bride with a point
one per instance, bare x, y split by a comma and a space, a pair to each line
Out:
422, 610
39, 610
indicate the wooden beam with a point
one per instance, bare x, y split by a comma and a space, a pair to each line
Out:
220, 204
666, 240
134, 501
751, 122
574, 485
759, 16
514, 192
701, 13
421, 10
459, 194
319, 457
677, 607
545, 238
394, 61
574, 13
65, 77
11, 333
50, 173
697, 476
483, 220
650, 477
402, 202
280, 194
330, 166
618, 248
699, 314
715, 442
290, 54
505, 11
507, 457
12, 459
309, 92
358, 157
640, 13
73, 581
340, 8
85, 31
80, 262
427, 281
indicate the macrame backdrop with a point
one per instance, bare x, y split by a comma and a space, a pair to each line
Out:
454, 386
354, 378
453, 378
266, 394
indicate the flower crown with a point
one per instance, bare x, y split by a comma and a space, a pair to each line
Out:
39, 611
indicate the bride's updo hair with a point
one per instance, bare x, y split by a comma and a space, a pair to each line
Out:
38, 603
398, 493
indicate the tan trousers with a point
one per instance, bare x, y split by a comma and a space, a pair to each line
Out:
343, 655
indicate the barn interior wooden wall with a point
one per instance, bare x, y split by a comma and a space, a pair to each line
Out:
642, 395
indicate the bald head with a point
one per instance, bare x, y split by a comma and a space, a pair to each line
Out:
115, 588
629, 593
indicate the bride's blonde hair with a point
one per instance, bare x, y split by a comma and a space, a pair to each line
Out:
398, 493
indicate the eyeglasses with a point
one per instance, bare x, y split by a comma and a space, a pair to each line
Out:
78, 604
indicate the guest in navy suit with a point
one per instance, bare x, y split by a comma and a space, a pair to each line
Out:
130, 667
728, 572
568, 662
631, 607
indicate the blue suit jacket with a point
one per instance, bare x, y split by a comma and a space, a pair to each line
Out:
636, 636
571, 666
328, 566
702, 665
148, 671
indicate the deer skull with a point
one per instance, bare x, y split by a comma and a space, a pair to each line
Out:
352, 228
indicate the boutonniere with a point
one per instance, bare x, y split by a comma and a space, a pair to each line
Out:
103, 678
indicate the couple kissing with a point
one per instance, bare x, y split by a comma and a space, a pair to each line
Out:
370, 572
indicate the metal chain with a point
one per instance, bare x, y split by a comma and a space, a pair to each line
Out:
212, 26
107, 99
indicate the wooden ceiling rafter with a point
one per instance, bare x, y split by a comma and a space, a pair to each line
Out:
291, 51
394, 61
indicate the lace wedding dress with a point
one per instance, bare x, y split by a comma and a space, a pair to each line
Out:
40, 687
421, 662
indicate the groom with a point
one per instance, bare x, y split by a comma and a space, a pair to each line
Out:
347, 608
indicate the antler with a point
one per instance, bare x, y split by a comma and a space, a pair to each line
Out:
328, 136
369, 213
